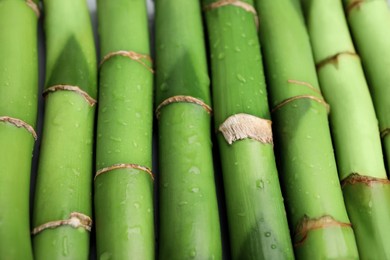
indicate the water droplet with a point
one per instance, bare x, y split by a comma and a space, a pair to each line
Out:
260, 184
134, 230
165, 185
116, 139
105, 256
65, 250
241, 78
273, 246
164, 86
370, 204
194, 170
195, 190
267, 234
241, 214
237, 49
136, 205
193, 253
221, 56
183, 203
137, 115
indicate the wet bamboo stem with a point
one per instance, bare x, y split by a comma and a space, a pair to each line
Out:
63, 190
18, 100
257, 222
315, 205
356, 136
189, 224
369, 22
124, 193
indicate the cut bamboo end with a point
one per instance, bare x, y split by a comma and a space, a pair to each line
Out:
334, 59
243, 5
289, 100
183, 99
75, 220
243, 126
309, 224
305, 84
34, 7
91, 101
125, 166
131, 55
385, 132
355, 178
20, 124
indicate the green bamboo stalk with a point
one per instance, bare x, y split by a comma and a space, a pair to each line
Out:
189, 224
369, 22
63, 190
308, 170
124, 194
257, 222
354, 127
18, 101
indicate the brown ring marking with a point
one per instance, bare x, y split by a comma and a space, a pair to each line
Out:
306, 84
385, 132
76, 89
124, 166
129, 54
243, 5
355, 178
334, 58
288, 100
75, 220
183, 99
19, 123
34, 7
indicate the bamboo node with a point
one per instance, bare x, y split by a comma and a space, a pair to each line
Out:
355, 178
132, 55
242, 126
183, 99
91, 101
288, 100
385, 132
335, 58
75, 220
125, 166
34, 7
19, 123
243, 5
309, 224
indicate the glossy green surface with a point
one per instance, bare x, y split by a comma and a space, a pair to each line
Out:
124, 197
307, 164
358, 151
188, 221
18, 99
65, 164
257, 222
370, 27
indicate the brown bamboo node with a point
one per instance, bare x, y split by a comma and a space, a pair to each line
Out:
19, 123
334, 58
385, 132
356, 4
91, 101
310, 224
125, 166
34, 7
306, 84
355, 178
131, 55
243, 5
183, 99
288, 100
243, 126
75, 220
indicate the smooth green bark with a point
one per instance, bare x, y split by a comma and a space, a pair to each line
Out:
257, 222
189, 223
307, 164
353, 124
18, 99
124, 197
369, 23
65, 163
